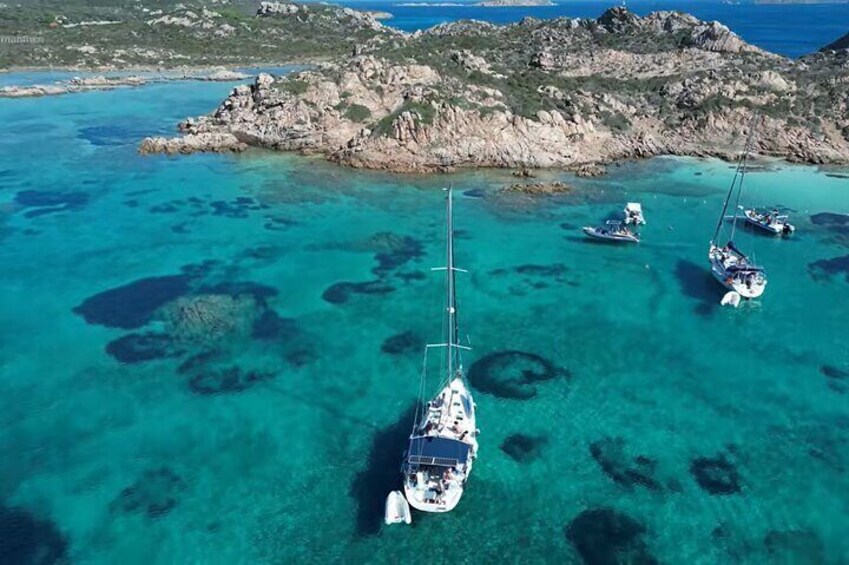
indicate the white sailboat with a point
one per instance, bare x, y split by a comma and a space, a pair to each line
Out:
443, 444
729, 265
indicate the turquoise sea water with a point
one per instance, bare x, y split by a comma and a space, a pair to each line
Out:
788, 29
625, 415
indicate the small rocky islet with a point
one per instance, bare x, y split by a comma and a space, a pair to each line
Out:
561, 93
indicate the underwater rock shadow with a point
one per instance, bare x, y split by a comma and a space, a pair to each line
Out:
838, 223
271, 326
382, 473
230, 380
795, 546
155, 494
697, 283
341, 292
25, 539
716, 475
512, 374
533, 277
396, 252
824, 269
138, 348
833, 372
132, 305
260, 292
837, 379
239, 208
47, 202
604, 536
116, 134
523, 448
404, 343
624, 470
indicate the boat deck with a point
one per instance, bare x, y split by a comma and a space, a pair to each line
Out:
451, 414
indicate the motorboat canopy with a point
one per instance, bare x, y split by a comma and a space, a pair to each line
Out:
634, 213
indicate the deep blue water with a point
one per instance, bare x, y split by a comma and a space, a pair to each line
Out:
790, 29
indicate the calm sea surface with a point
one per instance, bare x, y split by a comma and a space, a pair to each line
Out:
212, 358
789, 29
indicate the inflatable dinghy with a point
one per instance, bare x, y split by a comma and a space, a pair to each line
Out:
397, 508
731, 298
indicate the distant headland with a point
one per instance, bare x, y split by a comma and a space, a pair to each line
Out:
566, 93
514, 3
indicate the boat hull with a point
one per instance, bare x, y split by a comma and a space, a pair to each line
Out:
449, 505
596, 234
780, 228
725, 279
452, 413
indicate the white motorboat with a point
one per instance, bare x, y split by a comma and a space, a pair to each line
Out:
613, 231
443, 444
770, 221
728, 264
634, 214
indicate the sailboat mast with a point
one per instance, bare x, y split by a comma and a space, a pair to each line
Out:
739, 173
452, 358
745, 162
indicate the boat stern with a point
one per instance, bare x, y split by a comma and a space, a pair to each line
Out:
425, 501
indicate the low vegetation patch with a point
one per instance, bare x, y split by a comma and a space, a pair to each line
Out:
357, 113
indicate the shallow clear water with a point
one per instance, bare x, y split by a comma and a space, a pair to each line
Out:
788, 29
115, 453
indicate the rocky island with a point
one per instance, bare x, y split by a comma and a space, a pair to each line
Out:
568, 93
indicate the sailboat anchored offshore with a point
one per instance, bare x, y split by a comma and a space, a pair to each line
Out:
443, 443
729, 265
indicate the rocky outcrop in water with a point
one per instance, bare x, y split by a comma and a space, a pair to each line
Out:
539, 188
559, 93
214, 142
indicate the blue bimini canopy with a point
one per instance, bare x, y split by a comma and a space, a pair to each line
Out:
437, 451
736, 249
745, 269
